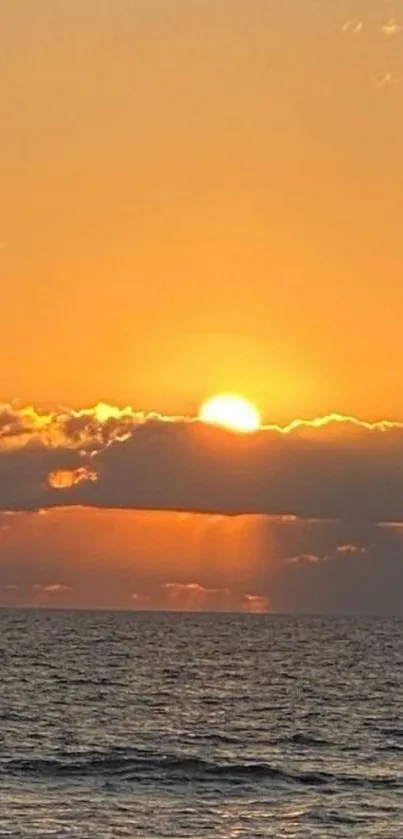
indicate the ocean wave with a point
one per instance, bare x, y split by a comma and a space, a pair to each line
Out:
176, 768
301, 739
392, 731
143, 764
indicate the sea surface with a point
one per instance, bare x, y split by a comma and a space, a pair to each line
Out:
182, 725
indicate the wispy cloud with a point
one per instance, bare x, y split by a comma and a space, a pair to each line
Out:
195, 597
391, 28
353, 27
386, 79
140, 601
355, 550
305, 559
255, 603
51, 588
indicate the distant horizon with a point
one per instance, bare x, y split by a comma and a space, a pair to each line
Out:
206, 613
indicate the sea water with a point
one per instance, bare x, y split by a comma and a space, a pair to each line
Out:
200, 725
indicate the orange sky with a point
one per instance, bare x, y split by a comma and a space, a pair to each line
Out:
200, 196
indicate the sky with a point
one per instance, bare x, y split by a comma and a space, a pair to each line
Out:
196, 197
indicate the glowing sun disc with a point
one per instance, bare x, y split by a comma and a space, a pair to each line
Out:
232, 412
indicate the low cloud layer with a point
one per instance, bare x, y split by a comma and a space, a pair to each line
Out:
143, 560
331, 468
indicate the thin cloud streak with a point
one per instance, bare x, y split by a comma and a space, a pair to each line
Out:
354, 27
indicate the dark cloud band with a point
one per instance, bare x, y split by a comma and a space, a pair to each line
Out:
326, 468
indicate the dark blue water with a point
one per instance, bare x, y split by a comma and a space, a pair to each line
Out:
157, 725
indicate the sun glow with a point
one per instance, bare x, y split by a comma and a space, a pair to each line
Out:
231, 412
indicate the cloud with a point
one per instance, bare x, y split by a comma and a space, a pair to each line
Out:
65, 478
194, 597
305, 559
354, 27
140, 601
11, 423
331, 467
52, 588
255, 603
352, 549
385, 79
391, 28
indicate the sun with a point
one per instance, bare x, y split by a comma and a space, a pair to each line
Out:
230, 411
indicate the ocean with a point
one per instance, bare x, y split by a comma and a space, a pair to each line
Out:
200, 725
